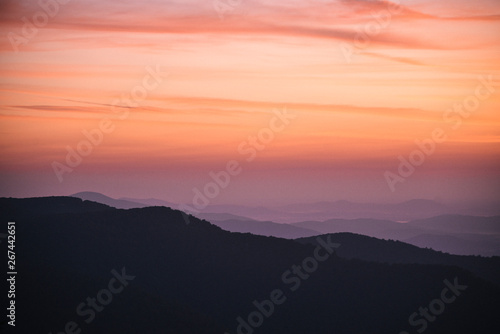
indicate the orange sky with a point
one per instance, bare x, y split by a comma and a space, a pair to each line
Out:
360, 100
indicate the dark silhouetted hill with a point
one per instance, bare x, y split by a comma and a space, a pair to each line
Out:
355, 246
198, 278
15, 208
459, 244
454, 234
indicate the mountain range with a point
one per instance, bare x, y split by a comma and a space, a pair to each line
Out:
451, 233
167, 275
318, 211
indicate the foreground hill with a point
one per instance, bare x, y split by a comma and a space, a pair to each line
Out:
145, 270
355, 246
459, 243
455, 234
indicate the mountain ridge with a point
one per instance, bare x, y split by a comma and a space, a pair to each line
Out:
219, 276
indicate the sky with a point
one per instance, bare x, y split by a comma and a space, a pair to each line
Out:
251, 102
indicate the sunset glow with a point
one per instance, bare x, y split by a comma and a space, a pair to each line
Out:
176, 88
